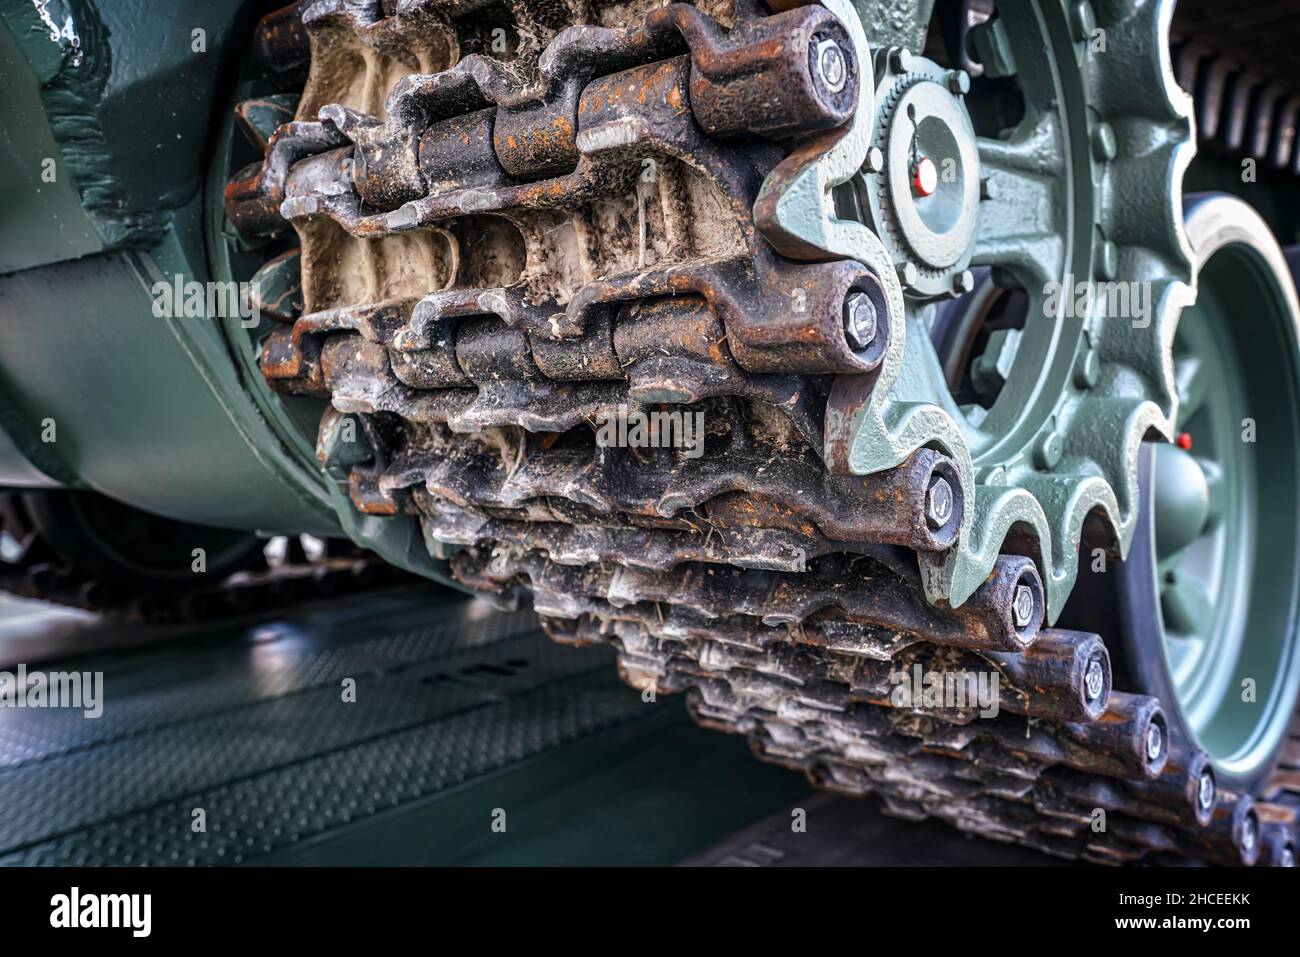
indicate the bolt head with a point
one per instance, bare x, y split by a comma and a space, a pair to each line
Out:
963, 282
875, 160
1103, 142
1155, 741
958, 82
907, 274
1205, 791
1087, 369
938, 502
1094, 679
832, 65
992, 368
900, 60
860, 321
1022, 606
1249, 832
1048, 451
1107, 254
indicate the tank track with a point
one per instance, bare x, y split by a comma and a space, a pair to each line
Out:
783, 599
39, 571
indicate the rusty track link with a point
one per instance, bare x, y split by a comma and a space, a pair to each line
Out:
488, 274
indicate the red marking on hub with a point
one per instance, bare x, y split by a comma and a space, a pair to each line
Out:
925, 177
1184, 441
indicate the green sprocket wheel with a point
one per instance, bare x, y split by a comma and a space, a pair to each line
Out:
1055, 452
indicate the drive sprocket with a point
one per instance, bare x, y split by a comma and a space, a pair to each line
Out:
1055, 454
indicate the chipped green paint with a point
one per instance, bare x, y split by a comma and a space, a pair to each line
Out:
124, 114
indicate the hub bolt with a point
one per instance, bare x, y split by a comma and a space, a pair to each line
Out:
938, 502
1249, 832
1048, 451
1205, 791
1094, 680
860, 321
875, 161
832, 66
1155, 741
1022, 606
958, 82
963, 282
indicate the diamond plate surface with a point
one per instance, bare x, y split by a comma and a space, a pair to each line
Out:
254, 731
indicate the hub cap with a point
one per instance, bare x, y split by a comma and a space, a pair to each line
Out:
1215, 581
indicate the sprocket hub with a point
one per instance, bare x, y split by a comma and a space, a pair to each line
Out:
922, 186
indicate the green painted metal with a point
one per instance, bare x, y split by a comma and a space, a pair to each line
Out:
1227, 512
149, 411
160, 413
16, 468
124, 111
921, 115
1061, 442
43, 222
895, 23
1182, 504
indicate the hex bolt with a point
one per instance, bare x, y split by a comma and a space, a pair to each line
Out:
958, 82
1249, 832
907, 274
938, 502
992, 368
1205, 790
963, 282
1022, 606
832, 66
900, 60
875, 160
1155, 741
1094, 679
860, 321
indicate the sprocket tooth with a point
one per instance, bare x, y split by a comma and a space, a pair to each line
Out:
260, 117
